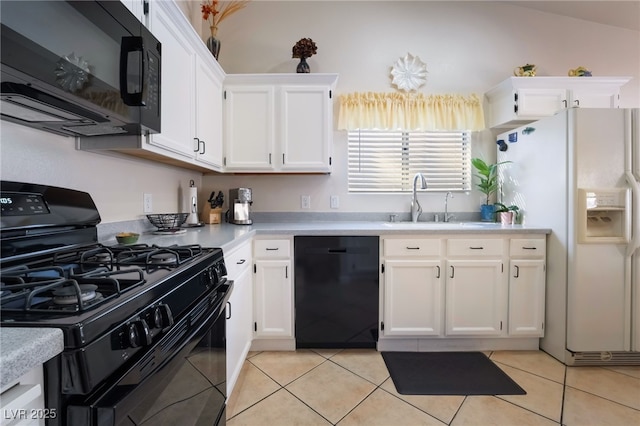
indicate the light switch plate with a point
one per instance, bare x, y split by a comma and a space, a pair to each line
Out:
334, 202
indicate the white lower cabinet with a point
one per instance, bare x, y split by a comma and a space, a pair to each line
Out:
239, 312
412, 298
474, 297
273, 288
527, 287
462, 288
412, 287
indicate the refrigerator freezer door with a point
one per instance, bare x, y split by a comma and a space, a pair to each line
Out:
598, 302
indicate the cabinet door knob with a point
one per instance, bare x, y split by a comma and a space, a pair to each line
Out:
517, 269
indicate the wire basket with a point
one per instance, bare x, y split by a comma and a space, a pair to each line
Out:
165, 221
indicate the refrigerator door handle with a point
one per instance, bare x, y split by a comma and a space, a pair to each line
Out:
634, 243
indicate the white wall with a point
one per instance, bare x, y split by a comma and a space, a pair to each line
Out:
116, 182
468, 47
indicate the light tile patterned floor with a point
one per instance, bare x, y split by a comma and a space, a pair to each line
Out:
353, 387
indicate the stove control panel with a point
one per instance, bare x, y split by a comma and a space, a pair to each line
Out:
141, 330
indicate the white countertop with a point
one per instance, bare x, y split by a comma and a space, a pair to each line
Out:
22, 349
227, 235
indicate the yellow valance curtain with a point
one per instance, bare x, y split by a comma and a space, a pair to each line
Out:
410, 111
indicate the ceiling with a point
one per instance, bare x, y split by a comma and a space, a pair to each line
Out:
623, 14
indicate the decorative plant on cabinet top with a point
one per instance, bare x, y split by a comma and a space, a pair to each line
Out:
215, 13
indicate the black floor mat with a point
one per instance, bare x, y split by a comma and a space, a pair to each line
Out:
448, 373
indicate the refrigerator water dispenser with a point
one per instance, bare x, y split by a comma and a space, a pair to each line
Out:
602, 215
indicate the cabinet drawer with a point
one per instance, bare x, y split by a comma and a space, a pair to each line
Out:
412, 247
272, 248
238, 260
527, 247
475, 247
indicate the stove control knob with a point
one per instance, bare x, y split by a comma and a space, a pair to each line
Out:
211, 277
162, 317
138, 333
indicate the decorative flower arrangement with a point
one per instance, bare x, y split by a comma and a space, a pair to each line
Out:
305, 48
215, 13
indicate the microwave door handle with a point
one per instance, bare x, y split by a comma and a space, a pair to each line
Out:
132, 48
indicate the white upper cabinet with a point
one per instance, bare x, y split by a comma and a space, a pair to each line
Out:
191, 91
278, 122
208, 135
177, 84
249, 127
522, 100
306, 127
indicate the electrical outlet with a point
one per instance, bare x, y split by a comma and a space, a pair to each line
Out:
147, 203
305, 201
334, 202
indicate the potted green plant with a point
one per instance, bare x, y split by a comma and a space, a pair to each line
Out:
487, 175
506, 214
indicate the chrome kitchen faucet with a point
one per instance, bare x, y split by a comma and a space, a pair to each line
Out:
416, 208
447, 216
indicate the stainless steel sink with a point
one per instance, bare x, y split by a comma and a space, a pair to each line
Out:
442, 225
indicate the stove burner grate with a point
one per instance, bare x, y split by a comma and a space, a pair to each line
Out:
75, 293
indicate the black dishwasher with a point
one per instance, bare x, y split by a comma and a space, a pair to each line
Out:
336, 291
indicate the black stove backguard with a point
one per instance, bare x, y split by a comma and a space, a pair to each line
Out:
136, 319
39, 218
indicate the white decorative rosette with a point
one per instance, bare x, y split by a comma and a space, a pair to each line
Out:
409, 73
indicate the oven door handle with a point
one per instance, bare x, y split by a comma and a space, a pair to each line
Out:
139, 386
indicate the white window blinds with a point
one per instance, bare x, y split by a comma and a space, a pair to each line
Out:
386, 161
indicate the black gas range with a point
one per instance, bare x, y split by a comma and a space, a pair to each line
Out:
136, 319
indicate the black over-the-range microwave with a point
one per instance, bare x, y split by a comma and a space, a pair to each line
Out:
79, 68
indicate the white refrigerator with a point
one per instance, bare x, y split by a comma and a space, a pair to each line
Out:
577, 173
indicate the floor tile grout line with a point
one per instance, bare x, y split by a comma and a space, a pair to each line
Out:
612, 369
358, 375
527, 371
261, 399
564, 394
307, 405
412, 405
602, 397
357, 405
458, 410
528, 409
